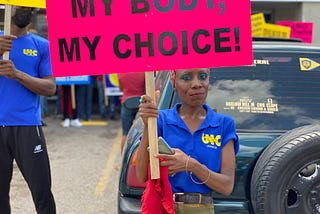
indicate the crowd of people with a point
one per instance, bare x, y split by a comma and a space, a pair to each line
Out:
77, 103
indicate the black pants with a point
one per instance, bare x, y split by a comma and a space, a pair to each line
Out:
26, 144
66, 89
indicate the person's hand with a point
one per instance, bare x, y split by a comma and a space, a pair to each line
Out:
147, 108
176, 163
7, 69
6, 43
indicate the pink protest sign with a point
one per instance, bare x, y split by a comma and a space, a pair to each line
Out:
90, 37
299, 30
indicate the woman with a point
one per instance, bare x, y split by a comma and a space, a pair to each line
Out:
205, 144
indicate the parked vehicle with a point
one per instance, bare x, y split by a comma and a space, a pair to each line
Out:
275, 104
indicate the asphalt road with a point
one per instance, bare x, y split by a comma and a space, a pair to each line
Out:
84, 171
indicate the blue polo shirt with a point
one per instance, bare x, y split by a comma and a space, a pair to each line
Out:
19, 106
205, 144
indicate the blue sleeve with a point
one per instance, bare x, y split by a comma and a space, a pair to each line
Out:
45, 63
229, 132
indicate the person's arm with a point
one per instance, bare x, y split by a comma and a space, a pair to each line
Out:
146, 109
222, 182
43, 86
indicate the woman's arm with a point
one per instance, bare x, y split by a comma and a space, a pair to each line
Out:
146, 109
222, 182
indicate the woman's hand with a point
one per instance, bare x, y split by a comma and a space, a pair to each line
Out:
147, 108
176, 162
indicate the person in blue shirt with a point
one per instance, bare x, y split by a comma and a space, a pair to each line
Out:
23, 78
205, 144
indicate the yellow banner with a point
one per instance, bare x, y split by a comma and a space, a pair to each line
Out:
25, 3
271, 30
261, 28
257, 22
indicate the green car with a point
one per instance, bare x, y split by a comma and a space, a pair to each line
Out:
275, 104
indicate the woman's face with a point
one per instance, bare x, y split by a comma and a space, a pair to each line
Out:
192, 85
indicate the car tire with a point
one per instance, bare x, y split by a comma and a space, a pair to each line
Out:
286, 178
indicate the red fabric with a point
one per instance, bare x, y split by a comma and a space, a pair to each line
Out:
157, 197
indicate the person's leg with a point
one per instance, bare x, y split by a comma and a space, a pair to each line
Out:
65, 94
112, 107
118, 104
58, 108
101, 96
6, 167
81, 105
127, 118
75, 122
89, 91
74, 114
33, 161
66, 91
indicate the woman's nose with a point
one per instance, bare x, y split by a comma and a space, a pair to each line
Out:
196, 83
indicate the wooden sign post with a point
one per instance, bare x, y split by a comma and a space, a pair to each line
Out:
152, 129
7, 26
73, 97
104, 85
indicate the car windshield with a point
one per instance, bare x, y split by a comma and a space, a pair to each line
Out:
281, 92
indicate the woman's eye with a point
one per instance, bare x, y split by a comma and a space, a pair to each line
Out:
186, 77
203, 76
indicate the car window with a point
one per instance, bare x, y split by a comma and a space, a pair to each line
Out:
281, 92
160, 79
163, 84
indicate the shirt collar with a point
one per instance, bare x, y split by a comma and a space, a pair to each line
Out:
174, 118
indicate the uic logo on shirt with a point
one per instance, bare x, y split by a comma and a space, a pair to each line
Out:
213, 140
30, 52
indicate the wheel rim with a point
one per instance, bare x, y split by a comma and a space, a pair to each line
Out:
303, 192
